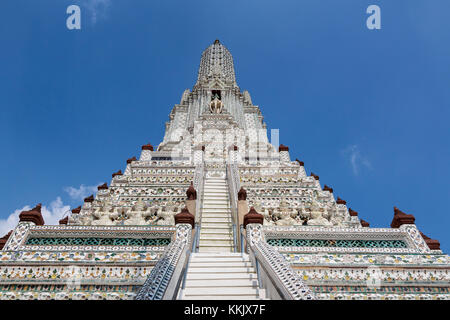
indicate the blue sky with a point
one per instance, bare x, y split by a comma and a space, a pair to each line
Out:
368, 111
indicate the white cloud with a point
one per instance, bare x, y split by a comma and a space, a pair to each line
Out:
96, 8
81, 192
355, 158
51, 214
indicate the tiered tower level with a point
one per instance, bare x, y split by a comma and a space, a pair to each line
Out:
251, 209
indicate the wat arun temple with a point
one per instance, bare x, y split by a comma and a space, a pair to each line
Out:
217, 211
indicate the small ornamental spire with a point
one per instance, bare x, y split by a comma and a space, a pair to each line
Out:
64, 220
4, 239
253, 217
242, 194
315, 176
401, 218
34, 215
191, 192
431, 243
327, 188
364, 223
131, 160
102, 186
118, 173
185, 217
282, 147
301, 163
340, 201
352, 212
76, 210
147, 147
89, 199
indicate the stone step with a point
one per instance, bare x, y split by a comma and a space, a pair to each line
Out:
217, 205
209, 297
223, 212
214, 193
217, 231
217, 198
216, 215
222, 276
224, 218
215, 186
211, 255
221, 291
215, 242
217, 270
220, 259
216, 236
214, 226
223, 265
205, 283
215, 202
227, 210
220, 249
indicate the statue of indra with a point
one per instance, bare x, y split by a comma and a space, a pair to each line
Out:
216, 104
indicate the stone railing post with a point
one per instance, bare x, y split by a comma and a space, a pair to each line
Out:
165, 278
275, 274
191, 201
28, 219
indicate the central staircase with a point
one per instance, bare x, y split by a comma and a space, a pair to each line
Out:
216, 233
216, 272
